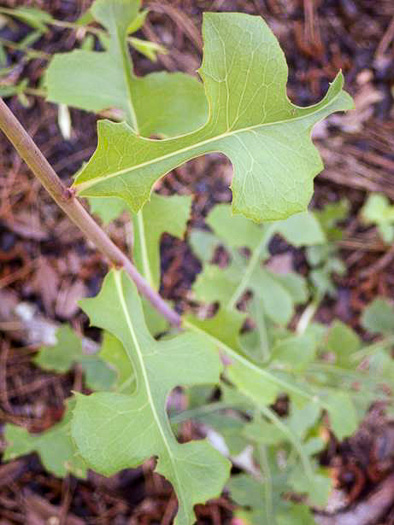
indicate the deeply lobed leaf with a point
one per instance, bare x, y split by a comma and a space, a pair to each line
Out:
115, 431
251, 120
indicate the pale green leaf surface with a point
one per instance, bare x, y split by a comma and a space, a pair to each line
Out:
295, 352
302, 229
160, 215
378, 317
203, 245
317, 488
236, 231
378, 210
107, 209
64, 354
159, 103
343, 415
113, 352
116, 431
67, 352
343, 342
251, 121
54, 446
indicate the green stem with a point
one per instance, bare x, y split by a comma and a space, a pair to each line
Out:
253, 262
267, 484
235, 356
269, 414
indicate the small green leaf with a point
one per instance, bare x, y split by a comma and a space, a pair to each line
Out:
113, 352
343, 342
115, 431
148, 49
317, 488
378, 210
159, 103
295, 352
236, 231
160, 215
302, 229
64, 354
378, 317
251, 120
343, 415
68, 352
33, 17
107, 209
55, 447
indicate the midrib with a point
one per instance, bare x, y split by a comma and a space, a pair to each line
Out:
118, 282
92, 182
237, 357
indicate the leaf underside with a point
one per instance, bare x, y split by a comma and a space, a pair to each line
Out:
115, 431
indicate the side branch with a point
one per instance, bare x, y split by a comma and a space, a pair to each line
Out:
72, 207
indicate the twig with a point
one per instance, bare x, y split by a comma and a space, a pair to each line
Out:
68, 202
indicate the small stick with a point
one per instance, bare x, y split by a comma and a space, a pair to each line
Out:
72, 207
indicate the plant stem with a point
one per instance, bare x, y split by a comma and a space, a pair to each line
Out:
67, 201
254, 260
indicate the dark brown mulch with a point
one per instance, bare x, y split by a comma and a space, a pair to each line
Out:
45, 261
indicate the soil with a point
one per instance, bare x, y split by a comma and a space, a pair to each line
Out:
44, 261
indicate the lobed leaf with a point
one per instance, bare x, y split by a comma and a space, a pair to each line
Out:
115, 431
159, 103
54, 446
67, 352
251, 121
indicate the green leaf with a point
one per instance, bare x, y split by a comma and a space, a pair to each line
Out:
378, 317
378, 210
63, 355
343, 415
302, 229
55, 447
113, 352
295, 352
235, 231
330, 215
203, 245
343, 342
68, 352
160, 215
107, 209
251, 121
33, 17
148, 49
317, 488
116, 431
159, 103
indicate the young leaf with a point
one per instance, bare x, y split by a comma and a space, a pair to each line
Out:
235, 231
113, 352
55, 447
343, 342
117, 431
159, 103
160, 215
378, 317
317, 488
295, 352
377, 210
251, 121
67, 352
302, 229
343, 415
